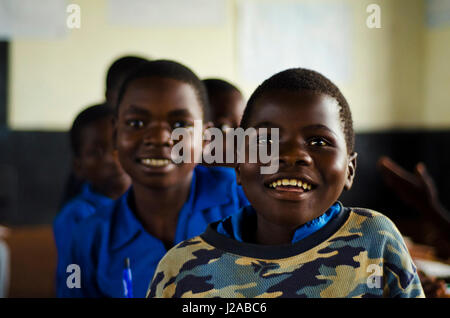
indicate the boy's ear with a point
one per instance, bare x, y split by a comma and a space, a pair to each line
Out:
351, 171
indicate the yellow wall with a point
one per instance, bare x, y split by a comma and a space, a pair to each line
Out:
437, 78
400, 73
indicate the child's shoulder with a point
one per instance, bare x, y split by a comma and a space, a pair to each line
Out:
372, 217
187, 248
373, 223
193, 250
76, 209
95, 224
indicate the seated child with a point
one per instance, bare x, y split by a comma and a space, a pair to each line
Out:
95, 161
115, 75
226, 107
167, 202
296, 239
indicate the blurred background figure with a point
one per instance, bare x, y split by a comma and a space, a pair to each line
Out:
226, 106
115, 75
417, 191
430, 237
95, 161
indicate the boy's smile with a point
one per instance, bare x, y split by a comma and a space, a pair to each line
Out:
150, 109
314, 166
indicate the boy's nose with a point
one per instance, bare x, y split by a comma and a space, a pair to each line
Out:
158, 135
295, 154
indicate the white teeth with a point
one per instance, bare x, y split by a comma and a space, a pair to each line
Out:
291, 182
155, 162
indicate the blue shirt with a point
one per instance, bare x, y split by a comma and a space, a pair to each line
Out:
73, 212
102, 242
237, 225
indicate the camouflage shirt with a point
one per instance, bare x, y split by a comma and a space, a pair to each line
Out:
360, 253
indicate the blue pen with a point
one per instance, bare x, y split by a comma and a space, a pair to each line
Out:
127, 280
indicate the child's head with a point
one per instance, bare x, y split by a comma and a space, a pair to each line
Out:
226, 108
226, 103
316, 140
116, 74
158, 97
92, 144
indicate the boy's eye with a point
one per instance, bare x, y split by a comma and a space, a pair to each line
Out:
135, 123
180, 124
319, 142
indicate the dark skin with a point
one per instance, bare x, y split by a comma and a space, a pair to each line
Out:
150, 109
311, 148
417, 190
226, 112
97, 161
226, 109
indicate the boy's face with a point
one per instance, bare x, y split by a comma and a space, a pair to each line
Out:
98, 162
312, 149
227, 109
150, 109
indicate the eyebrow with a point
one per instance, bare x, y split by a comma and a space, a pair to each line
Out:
180, 113
134, 109
265, 124
318, 126
137, 110
310, 127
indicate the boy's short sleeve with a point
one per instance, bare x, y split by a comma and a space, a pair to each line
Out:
400, 273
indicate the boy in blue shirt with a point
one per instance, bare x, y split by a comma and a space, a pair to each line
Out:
167, 202
96, 162
296, 239
115, 75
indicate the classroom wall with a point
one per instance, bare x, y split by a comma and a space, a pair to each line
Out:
399, 81
392, 84
437, 77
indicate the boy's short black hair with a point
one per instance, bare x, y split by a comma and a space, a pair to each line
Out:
297, 79
120, 68
86, 117
167, 69
217, 85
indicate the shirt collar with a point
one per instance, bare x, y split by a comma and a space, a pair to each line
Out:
212, 186
93, 197
234, 226
207, 190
